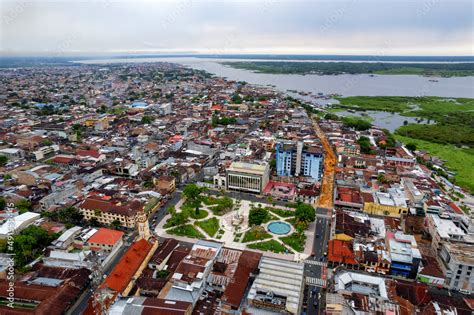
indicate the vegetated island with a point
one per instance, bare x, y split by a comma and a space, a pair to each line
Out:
336, 68
450, 136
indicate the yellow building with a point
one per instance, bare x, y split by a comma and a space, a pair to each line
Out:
384, 210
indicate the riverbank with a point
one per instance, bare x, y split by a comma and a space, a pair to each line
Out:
336, 68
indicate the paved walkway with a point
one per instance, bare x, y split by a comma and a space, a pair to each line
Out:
230, 231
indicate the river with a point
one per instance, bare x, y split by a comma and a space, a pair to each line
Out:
344, 84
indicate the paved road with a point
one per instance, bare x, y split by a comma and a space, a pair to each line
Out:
162, 211
313, 267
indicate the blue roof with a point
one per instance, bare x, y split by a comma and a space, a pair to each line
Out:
138, 104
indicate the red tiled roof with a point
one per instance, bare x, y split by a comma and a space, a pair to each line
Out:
340, 252
127, 266
455, 208
62, 159
93, 153
106, 237
235, 291
106, 206
122, 274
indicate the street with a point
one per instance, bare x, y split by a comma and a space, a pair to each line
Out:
315, 265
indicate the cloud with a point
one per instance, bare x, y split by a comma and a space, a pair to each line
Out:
434, 27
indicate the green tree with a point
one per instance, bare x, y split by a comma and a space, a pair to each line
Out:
365, 146
70, 215
236, 99
146, 120
47, 142
381, 179
3, 160
258, 215
24, 205
29, 244
148, 184
3, 203
273, 164
411, 146
115, 224
192, 191
305, 213
177, 219
172, 210
95, 222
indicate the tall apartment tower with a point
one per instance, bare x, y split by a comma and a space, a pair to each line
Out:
299, 159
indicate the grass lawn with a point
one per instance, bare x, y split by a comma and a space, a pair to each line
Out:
295, 241
237, 237
202, 214
281, 212
210, 226
460, 161
219, 206
269, 218
269, 246
186, 230
189, 206
255, 234
292, 221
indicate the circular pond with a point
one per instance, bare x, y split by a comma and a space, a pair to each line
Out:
279, 227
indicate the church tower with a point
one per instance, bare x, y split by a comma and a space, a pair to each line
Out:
142, 225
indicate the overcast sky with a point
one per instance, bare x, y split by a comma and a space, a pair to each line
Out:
380, 27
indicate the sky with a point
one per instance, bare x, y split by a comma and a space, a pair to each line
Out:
345, 27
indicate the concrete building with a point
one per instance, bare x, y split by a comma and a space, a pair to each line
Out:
189, 279
45, 152
18, 223
106, 239
442, 230
298, 159
405, 257
67, 238
163, 109
372, 291
247, 177
145, 305
12, 153
59, 197
278, 286
458, 264
106, 212
165, 183
71, 260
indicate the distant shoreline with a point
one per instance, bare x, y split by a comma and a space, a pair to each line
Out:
343, 67
74, 60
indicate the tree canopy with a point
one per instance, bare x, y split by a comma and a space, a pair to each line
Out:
3, 160
258, 215
305, 213
29, 244
192, 191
